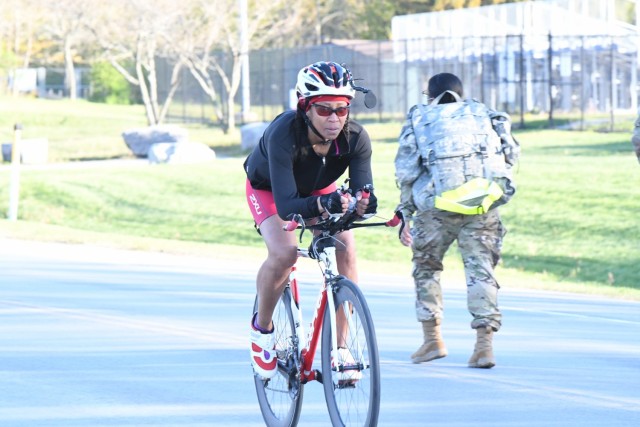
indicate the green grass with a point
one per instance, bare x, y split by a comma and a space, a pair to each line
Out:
75, 130
572, 226
80, 130
575, 216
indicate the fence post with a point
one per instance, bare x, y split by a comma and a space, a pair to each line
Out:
14, 184
523, 82
550, 84
612, 84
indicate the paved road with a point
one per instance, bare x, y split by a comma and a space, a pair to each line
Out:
95, 337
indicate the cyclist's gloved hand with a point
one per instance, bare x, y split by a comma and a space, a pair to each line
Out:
372, 206
331, 202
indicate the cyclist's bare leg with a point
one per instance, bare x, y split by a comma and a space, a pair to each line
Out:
346, 260
274, 272
346, 255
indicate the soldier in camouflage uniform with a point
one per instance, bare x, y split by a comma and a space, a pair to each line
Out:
635, 140
479, 240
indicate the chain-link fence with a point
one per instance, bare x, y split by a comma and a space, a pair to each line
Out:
587, 78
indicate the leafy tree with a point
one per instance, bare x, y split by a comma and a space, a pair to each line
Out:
373, 20
369, 19
626, 11
356, 19
406, 7
108, 85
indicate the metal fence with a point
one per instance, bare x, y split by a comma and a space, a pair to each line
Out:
583, 77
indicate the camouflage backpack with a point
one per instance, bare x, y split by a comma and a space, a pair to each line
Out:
468, 164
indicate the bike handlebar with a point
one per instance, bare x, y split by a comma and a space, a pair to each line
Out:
335, 225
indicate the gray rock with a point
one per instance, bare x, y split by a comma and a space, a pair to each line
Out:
33, 151
180, 152
140, 140
251, 133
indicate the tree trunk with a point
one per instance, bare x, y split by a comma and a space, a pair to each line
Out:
144, 92
175, 82
70, 84
231, 113
201, 75
233, 89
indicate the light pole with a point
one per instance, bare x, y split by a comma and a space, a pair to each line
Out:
14, 185
244, 60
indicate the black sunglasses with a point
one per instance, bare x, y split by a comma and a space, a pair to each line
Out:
324, 111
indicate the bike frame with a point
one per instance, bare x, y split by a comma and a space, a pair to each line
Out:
296, 349
327, 260
308, 350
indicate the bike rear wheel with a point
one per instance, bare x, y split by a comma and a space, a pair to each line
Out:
280, 398
353, 398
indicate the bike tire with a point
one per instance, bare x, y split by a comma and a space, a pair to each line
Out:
352, 403
280, 398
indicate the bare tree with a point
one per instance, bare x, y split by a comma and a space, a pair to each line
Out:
66, 24
195, 45
212, 43
133, 34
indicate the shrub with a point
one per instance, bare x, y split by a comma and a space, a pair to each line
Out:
108, 85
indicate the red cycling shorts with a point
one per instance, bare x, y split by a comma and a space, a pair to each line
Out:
262, 205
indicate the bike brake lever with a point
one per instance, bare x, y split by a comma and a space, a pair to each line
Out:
399, 217
295, 221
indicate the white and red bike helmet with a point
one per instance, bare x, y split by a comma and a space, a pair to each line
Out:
324, 78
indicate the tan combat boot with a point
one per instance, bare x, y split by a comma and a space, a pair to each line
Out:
482, 356
433, 347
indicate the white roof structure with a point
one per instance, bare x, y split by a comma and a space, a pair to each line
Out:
531, 18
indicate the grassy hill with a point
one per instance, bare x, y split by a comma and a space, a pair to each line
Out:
573, 225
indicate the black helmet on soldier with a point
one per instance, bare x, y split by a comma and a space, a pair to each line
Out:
441, 83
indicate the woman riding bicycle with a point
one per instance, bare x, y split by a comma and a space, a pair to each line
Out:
293, 170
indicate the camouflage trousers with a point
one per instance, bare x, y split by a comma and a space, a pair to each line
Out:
479, 239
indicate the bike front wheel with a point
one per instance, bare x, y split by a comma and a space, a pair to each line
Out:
280, 398
351, 383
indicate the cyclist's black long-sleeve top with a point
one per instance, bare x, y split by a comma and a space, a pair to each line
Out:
277, 164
